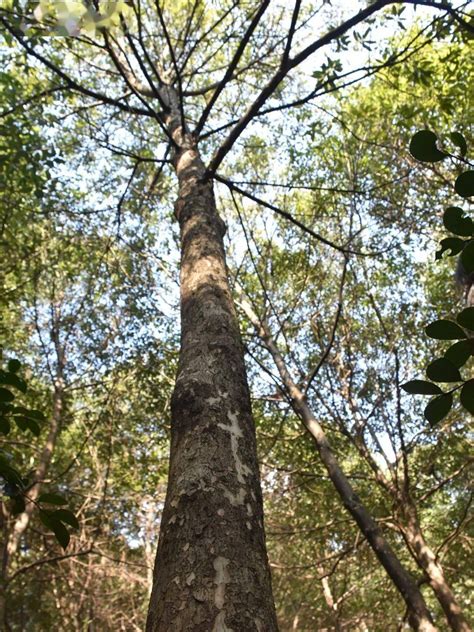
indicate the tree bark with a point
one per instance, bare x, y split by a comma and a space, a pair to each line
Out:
211, 571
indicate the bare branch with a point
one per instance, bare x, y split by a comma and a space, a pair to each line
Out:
71, 83
288, 216
291, 32
232, 65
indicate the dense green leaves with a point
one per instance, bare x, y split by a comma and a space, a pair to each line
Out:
24, 418
446, 369
4, 425
11, 379
54, 521
16, 485
112, 419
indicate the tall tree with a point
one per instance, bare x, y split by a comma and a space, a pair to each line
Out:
211, 570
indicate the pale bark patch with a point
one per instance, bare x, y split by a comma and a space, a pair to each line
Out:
219, 624
235, 499
235, 432
221, 395
221, 579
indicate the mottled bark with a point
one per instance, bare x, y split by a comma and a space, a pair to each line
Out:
418, 613
211, 571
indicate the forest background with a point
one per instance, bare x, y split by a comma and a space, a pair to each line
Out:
332, 227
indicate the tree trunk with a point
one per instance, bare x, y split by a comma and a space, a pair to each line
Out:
211, 571
426, 559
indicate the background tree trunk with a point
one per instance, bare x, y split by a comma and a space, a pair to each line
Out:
426, 559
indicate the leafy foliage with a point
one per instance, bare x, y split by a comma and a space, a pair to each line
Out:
423, 147
16, 485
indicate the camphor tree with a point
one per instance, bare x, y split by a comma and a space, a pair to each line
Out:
191, 80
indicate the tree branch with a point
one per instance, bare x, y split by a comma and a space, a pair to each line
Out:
232, 65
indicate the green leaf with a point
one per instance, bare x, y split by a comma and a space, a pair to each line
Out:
36, 415
467, 396
10, 474
460, 352
445, 330
13, 380
464, 185
421, 387
20, 409
454, 220
45, 518
61, 533
66, 516
4, 425
34, 427
56, 526
453, 244
6, 395
438, 408
14, 365
466, 318
423, 147
52, 499
467, 257
22, 423
458, 139
18, 505
443, 370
